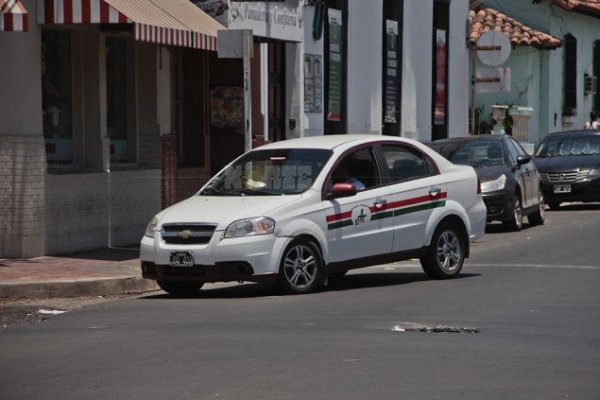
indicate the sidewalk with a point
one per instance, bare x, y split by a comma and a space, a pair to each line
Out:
92, 273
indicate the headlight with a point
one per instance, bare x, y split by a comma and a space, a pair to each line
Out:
594, 172
151, 228
250, 227
497, 184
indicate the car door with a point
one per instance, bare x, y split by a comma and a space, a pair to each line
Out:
525, 173
352, 232
416, 190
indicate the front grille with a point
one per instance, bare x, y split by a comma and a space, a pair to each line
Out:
565, 176
187, 233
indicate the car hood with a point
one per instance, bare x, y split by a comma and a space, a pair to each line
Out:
489, 173
566, 163
222, 210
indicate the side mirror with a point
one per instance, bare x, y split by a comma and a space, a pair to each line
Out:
342, 190
523, 159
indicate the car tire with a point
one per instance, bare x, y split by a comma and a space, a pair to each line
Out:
446, 253
301, 268
539, 216
515, 223
180, 289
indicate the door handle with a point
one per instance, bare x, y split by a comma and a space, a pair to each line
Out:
435, 191
379, 203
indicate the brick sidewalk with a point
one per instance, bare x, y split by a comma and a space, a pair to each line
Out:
93, 273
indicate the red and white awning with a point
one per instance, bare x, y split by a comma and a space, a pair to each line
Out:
168, 22
13, 16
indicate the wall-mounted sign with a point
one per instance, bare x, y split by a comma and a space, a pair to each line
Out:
336, 57
281, 20
227, 106
391, 71
313, 83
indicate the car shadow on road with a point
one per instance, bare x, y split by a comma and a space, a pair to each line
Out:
578, 207
349, 282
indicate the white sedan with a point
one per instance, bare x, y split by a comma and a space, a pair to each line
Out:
297, 211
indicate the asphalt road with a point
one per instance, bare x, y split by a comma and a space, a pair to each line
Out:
522, 322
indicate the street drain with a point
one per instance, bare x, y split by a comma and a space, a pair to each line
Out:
434, 329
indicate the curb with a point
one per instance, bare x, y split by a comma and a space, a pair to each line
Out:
79, 288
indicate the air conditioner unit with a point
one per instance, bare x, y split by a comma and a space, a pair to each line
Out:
589, 86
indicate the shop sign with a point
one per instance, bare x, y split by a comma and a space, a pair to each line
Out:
391, 76
336, 58
281, 20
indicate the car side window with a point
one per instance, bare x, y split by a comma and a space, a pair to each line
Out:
513, 152
404, 164
358, 168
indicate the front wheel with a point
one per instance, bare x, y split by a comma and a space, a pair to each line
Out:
301, 269
180, 289
539, 216
515, 223
446, 253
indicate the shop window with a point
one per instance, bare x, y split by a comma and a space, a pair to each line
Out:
57, 98
570, 75
118, 100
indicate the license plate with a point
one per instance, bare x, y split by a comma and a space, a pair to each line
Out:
562, 188
181, 259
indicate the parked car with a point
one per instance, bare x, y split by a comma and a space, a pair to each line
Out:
509, 179
569, 164
296, 211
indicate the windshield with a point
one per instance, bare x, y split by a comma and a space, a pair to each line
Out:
477, 153
569, 146
269, 173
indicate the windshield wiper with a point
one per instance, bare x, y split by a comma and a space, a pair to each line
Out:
261, 192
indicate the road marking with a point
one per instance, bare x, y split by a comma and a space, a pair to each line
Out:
408, 264
585, 267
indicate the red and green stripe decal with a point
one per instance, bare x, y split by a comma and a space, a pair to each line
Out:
387, 210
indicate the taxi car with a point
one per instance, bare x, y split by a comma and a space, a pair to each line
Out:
297, 211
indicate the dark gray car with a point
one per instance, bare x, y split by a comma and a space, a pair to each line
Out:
569, 164
510, 182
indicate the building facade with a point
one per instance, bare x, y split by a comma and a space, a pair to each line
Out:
111, 110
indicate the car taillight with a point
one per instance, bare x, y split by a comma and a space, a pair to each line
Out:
478, 185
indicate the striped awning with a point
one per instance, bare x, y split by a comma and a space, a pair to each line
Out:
13, 16
168, 22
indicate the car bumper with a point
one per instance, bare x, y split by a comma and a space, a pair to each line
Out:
498, 208
254, 258
477, 214
586, 191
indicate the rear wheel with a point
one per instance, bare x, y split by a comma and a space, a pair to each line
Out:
446, 252
539, 216
301, 269
180, 289
516, 221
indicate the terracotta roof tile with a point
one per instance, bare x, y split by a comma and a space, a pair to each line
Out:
484, 19
588, 7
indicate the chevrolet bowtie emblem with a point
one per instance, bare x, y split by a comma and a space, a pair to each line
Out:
185, 234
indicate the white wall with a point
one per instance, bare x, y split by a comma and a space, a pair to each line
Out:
458, 71
416, 71
365, 21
